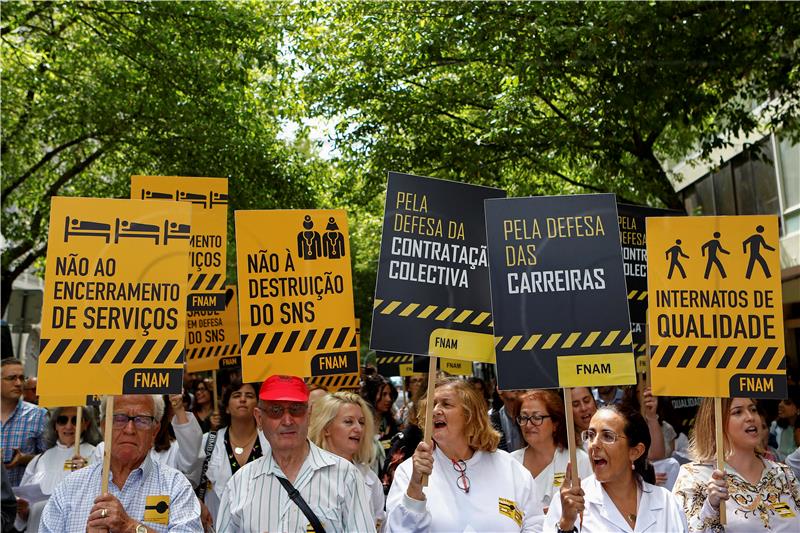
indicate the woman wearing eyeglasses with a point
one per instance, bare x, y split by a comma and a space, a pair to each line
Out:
236, 444
471, 485
762, 495
541, 419
49, 468
620, 495
341, 423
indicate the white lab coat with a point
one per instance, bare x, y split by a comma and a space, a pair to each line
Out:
658, 512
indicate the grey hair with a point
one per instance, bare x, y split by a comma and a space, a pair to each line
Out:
91, 435
158, 407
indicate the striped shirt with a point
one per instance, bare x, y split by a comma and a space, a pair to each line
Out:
69, 506
254, 500
23, 430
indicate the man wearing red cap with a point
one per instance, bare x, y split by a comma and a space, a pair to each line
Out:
255, 499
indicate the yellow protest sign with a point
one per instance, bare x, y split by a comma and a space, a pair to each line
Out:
715, 316
68, 400
114, 314
295, 293
347, 380
456, 367
212, 336
209, 241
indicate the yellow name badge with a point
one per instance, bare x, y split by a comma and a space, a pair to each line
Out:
156, 509
558, 479
509, 508
68, 465
782, 509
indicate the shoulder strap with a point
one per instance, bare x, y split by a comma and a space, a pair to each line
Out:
294, 494
203, 485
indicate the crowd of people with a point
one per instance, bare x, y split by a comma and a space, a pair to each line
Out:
284, 456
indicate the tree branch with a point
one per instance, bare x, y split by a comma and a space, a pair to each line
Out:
11, 187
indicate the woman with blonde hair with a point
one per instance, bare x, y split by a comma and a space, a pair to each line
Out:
341, 423
471, 485
761, 494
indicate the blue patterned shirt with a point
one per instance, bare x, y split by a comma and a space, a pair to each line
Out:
69, 506
23, 430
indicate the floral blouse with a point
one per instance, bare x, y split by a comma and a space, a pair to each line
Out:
773, 504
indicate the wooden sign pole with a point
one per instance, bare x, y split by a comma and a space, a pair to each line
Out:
428, 435
573, 452
109, 428
78, 425
215, 406
720, 450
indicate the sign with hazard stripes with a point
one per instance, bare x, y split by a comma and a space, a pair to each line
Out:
344, 381
633, 238
395, 364
295, 293
209, 240
558, 292
432, 292
213, 336
114, 316
716, 315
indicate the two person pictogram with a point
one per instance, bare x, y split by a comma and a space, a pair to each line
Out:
711, 250
312, 245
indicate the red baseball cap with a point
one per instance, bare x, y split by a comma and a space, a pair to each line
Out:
284, 389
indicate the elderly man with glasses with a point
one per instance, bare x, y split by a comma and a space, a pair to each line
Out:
23, 423
296, 486
143, 495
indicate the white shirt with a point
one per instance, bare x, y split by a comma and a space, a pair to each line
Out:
501, 497
219, 468
374, 487
182, 454
772, 505
658, 512
255, 501
548, 482
47, 471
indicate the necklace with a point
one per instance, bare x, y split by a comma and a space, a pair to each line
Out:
631, 518
239, 450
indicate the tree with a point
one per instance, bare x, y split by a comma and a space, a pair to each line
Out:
545, 97
96, 91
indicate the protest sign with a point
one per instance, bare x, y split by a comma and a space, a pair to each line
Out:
558, 292
348, 380
209, 240
394, 364
432, 291
114, 314
295, 293
633, 238
213, 336
716, 317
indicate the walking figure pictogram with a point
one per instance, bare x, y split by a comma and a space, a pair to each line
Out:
674, 254
713, 246
756, 242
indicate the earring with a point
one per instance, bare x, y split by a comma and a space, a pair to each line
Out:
633, 466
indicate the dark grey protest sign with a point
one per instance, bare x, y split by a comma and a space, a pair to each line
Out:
558, 292
633, 238
432, 292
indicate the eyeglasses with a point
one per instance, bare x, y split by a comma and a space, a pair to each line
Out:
536, 420
62, 420
276, 411
12, 379
121, 420
606, 436
463, 481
